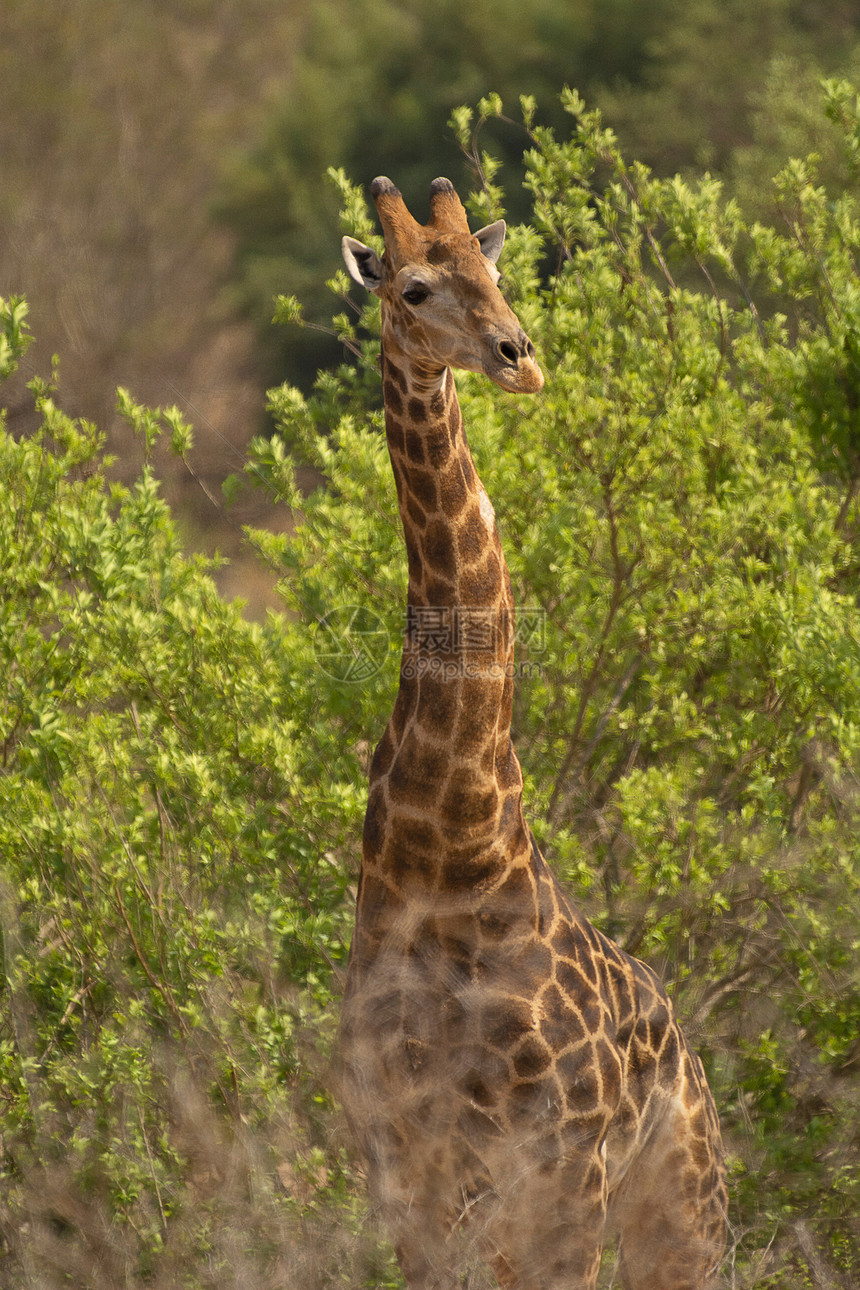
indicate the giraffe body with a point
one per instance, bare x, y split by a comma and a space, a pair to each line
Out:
508, 1071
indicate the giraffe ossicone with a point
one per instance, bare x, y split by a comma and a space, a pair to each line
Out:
518, 1086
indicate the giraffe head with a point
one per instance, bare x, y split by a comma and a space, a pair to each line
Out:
441, 305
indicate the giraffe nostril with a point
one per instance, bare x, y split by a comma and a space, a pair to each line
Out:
508, 352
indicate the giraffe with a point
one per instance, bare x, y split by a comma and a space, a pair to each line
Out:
507, 1070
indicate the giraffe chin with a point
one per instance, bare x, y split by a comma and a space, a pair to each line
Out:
525, 378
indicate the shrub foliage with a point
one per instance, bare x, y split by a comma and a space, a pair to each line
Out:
181, 792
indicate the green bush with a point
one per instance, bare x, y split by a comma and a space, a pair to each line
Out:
173, 874
181, 792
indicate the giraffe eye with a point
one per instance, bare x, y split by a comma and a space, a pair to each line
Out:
414, 294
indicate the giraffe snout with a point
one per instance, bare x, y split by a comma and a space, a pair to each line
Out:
516, 367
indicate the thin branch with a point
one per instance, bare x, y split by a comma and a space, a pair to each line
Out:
621, 573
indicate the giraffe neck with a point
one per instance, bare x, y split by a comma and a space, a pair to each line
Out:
452, 544
445, 782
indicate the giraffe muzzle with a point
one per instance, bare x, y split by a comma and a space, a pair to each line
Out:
515, 366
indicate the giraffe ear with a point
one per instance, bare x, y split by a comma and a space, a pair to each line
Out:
364, 265
492, 239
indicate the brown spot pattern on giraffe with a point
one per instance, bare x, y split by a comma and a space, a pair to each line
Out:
413, 445
393, 401
438, 550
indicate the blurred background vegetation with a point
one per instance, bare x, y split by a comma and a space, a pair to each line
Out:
182, 787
